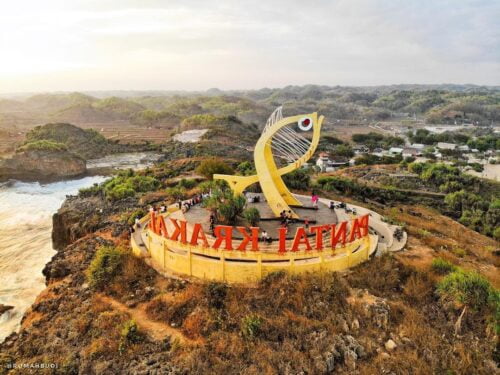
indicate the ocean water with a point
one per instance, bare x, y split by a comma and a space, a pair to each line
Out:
133, 160
25, 241
26, 210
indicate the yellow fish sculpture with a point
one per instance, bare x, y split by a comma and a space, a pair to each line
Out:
281, 139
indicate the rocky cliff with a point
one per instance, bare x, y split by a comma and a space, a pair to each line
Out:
42, 165
79, 216
383, 316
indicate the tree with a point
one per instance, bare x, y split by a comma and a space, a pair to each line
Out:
231, 208
343, 150
213, 166
252, 215
225, 205
461, 200
245, 168
298, 179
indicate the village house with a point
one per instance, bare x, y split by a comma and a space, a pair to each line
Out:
395, 151
325, 164
446, 146
418, 146
410, 152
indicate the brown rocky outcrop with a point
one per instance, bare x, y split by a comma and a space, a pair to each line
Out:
4, 308
79, 216
42, 165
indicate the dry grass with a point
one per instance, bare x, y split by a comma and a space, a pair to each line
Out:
432, 234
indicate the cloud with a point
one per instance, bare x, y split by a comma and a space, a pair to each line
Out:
84, 45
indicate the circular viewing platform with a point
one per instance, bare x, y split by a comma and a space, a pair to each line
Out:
187, 247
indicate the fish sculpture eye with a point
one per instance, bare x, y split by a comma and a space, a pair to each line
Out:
305, 124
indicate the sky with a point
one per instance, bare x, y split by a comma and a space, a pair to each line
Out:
80, 45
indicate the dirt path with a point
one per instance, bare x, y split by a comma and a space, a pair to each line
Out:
156, 330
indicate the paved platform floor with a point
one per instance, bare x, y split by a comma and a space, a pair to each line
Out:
323, 215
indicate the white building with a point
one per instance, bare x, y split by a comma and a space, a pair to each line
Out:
325, 164
395, 151
418, 146
446, 146
409, 152
322, 161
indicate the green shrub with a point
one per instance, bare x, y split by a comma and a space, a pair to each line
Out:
130, 332
298, 179
467, 287
104, 266
187, 184
213, 166
252, 215
216, 293
459, 252
119, 192
43, 145
127, 184
423, 232
246, 168
90, 191
442, 266
251, 326
496, 234
176, 193
137, 214
129, 335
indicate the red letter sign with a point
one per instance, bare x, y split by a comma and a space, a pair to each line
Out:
341, 233
359, 228
282, 238
300, 238
227, 236
254, 237
198, 233
318, 229
179, 230
160, 226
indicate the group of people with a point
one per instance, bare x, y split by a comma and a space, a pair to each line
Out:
332, 206
187, 204
253, 198
286, 218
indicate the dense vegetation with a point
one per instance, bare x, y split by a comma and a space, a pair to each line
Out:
104, 266
299, 179
125, 184
43, 145
85, 143
369, 159
481, 143
474, 202
437, 104
213, 166
374, 140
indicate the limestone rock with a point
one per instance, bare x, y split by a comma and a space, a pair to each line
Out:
42, 165
390, 345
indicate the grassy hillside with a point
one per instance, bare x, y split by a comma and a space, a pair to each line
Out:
84, 143
358, 105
